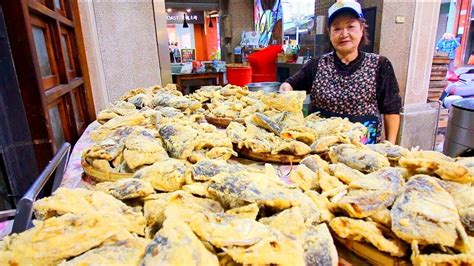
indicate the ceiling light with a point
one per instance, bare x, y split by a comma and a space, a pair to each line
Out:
169, 10
188, 10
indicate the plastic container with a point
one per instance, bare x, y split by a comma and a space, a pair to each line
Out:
264, 64
239, 75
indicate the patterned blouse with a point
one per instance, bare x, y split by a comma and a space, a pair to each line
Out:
387, 93
360, 90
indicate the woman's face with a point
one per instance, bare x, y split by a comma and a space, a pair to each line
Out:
345, 33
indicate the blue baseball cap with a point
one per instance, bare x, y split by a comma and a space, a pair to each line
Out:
344, 6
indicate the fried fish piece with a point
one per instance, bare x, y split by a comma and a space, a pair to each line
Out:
323, 144
274, 249
156, 205
198, 189
179, 140
224, 230
176, 244
387, 149
373, 193
167, 175
322, 204
315, 163
247, 188
290, 222
370, 232
382, 217
206, 169
265, 122
463, 196
249, 211
127, 188
443, 259
58, 238
291, 147
434, 162
127, 251
358, 157
319, 248
143, 150
84, 201
304, 178
426, 213
131, 119
345, 173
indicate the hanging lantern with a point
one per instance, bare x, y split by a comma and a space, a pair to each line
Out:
210, 22
185, 22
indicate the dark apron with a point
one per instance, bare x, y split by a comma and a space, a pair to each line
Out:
352, 96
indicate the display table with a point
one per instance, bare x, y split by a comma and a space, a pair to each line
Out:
217, 78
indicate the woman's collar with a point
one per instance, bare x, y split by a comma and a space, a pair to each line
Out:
359, 57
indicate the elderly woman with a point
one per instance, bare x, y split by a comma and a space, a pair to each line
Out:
348, 82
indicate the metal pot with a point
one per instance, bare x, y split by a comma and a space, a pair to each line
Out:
460, 132
264, 86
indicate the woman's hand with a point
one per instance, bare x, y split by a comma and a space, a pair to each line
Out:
285, 86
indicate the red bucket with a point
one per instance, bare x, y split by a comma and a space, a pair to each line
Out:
239, 75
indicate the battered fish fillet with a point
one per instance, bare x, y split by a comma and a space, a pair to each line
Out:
431, 162
274, 249
322, 204
463, 196
290, 102
223, 230
127, 188
198, 189
304, 178
319, 248
246, 188
345, 173
265, 122
371, 193
387, 149
426, 213
358, 158
58, 238
133, 119
127, 251
290, 222
83, 201
369, 232
293, 147
169, 175
249, 212
156, 204
179, 140
315, 163
442, 259
323, 144
204, 170
382, 217
299, 133
176, 244
143, 150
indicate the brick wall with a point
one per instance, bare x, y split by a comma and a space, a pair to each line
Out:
239, 16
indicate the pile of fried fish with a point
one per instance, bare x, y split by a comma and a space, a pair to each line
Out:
188, 204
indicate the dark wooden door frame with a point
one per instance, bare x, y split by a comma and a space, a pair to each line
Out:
36, 99
16, 147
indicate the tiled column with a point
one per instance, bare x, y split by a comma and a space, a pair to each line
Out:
419, 119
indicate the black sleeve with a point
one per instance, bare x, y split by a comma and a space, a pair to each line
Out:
388, 93
303, 79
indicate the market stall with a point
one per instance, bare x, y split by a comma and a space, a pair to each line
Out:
152, 182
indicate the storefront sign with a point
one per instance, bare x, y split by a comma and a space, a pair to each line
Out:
188, 55
195, 17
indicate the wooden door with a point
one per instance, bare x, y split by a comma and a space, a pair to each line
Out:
49, 56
